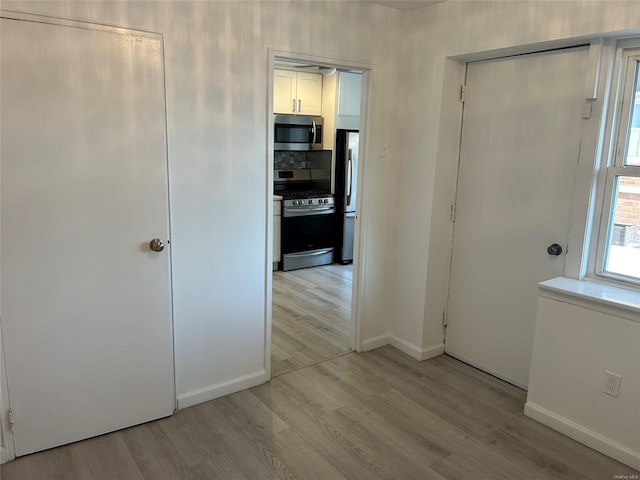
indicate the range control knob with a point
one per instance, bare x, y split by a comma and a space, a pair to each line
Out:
310, 202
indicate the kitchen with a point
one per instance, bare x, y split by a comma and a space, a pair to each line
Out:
316, 139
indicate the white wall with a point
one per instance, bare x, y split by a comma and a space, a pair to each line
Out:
573, 348
216, 57
427, 131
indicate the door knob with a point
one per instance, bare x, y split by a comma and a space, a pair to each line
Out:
554, 249
156, 245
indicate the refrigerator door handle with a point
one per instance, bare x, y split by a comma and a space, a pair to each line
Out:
350, 183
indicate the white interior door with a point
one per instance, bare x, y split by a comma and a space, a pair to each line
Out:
86, 305
520, 145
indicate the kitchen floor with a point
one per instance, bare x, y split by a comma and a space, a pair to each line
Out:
311, 317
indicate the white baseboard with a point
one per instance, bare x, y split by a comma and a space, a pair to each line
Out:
432, 351
376, 342
210, 392
404, 346
416, 352
583, 435
5, 456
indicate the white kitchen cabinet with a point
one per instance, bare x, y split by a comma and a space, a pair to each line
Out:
349, 93
277, 219
297, 93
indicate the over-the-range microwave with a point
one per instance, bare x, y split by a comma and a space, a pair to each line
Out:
297, 132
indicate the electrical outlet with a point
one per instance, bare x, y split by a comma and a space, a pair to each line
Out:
612, 384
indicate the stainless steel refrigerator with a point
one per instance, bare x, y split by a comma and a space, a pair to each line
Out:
346, 183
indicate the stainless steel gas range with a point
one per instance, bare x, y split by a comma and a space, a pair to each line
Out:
308, 215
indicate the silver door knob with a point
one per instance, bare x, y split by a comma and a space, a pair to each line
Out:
554, 249
156, 245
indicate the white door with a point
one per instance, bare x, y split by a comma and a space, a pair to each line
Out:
86, 305
520, 144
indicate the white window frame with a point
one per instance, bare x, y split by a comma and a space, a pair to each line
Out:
615, 152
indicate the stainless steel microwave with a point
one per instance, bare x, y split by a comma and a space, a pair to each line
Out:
297, 132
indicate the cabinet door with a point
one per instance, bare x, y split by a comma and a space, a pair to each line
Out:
350, 86
309, 93
284, 92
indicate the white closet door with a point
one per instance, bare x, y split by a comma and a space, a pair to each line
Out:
86, 305
520, 144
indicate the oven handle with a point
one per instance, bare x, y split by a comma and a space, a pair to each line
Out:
312, 254
295, 212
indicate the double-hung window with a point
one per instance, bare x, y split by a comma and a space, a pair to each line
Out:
618, 249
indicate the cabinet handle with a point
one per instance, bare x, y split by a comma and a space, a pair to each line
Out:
294, 106
299, 105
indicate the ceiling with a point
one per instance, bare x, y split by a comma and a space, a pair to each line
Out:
405, 5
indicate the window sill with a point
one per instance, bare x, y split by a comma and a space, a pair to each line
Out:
594, 296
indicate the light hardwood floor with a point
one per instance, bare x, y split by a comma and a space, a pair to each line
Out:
376, 415
311, 316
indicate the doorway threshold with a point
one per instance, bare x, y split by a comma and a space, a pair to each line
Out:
315, 362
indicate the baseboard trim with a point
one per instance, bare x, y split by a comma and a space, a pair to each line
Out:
583, 435
376, 342
432, 351
5, 455
210, 392
414, 351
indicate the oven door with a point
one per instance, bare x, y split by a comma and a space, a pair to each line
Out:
307, 241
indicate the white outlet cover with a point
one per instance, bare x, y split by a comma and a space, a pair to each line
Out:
612, 384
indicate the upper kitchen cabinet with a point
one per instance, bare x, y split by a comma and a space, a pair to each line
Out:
297, 93
350, 88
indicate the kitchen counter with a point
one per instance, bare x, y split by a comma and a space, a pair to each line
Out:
277, 197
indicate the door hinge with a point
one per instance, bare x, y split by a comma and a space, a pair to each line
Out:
453, 212
11, 419
463, 89
445, 314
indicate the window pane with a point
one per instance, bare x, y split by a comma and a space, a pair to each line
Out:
623, 255
633, 137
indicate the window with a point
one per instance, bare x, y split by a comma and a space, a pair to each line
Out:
618, 252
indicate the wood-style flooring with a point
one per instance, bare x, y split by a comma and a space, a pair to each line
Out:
311, 316
376, 415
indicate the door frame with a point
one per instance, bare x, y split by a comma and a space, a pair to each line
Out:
356, 342
7, 446
7, 449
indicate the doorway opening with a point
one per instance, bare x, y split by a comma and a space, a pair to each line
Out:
312, 283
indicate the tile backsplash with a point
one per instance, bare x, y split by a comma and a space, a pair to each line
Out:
283, 160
